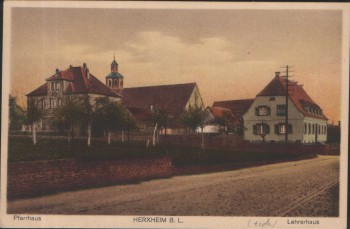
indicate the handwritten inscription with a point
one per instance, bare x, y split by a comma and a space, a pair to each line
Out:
262, 223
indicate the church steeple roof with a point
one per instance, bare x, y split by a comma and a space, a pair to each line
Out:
114, 62
114, 70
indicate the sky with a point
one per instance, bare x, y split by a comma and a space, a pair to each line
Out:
229, 53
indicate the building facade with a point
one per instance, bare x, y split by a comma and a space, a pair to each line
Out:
72, 82
141, 102
265, 120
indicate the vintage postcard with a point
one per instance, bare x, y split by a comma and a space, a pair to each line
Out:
174, 115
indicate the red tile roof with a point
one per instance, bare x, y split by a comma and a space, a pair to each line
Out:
172, 98
220, 112
237, 107
79, 83
40, 91
299, 97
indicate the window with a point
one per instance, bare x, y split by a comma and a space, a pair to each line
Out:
261, 129
55, 86
305, 128
272, 99
309, 128
46, 104
313, 128
53, 103
281, 110
262, 111
280, 128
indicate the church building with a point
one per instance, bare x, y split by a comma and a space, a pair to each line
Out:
142, 101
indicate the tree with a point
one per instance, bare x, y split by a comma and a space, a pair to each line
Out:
112, 116
33, 116
195, 117
68, 115
226, 123
159, 117
17, 114
91, 109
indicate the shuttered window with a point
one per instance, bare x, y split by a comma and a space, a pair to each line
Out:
261, 128
262, 111
280, 128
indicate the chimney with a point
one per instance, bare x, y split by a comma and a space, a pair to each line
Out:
84, 65
277, 74
57, 70
338, 123
70, 66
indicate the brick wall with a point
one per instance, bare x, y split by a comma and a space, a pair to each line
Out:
27, 179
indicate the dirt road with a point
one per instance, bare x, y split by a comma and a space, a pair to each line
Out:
302, 188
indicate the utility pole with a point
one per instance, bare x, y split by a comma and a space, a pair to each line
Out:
287, 105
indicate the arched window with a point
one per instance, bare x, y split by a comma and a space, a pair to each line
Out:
110, 83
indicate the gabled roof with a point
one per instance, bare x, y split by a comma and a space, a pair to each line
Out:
238, 107
79, 83
40, 91
172, 98
299, 97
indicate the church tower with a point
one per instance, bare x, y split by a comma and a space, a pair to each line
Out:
114, 79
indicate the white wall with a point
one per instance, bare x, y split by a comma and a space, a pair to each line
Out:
195, 98
295, 118
310, 136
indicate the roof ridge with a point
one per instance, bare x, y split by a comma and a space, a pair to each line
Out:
233, 100
163, 85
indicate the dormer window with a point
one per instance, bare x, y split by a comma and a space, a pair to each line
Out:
55, 86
